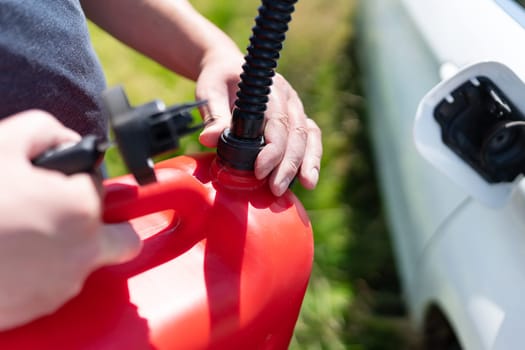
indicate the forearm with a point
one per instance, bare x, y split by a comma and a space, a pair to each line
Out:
169, 31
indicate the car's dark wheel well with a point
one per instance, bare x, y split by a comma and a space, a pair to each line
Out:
438, 333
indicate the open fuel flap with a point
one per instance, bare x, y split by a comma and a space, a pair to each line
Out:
472, 127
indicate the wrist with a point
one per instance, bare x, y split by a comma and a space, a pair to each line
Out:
224, 55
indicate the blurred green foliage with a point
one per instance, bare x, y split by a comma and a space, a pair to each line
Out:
353, 298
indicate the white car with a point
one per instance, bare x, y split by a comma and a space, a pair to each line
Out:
458, 233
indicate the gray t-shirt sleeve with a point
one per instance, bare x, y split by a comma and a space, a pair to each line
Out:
47, 62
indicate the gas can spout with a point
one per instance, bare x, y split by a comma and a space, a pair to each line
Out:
239, 145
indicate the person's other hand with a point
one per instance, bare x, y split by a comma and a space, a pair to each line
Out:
51, 234
293, 141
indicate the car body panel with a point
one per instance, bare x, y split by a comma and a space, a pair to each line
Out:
452, 251
406, 178
468, 31
474, 270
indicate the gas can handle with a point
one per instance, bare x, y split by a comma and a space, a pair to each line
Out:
175, 189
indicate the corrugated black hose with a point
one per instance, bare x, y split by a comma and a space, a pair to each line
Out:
240, 144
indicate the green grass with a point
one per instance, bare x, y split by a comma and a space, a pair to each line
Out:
353, 298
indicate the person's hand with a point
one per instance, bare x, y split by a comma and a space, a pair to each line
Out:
51, 234
293, 141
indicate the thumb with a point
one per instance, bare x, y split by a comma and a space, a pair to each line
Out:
216, 115
119, 243
32, 132
213, 130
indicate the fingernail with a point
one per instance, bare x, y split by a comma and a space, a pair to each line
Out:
261, 173
314, 176
283, 186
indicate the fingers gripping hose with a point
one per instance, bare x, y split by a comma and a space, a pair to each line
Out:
238, 147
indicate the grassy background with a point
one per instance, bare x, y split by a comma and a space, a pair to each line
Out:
353, 298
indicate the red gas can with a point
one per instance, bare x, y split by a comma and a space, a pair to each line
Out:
225, 265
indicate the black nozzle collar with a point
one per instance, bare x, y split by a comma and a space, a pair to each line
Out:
238, 153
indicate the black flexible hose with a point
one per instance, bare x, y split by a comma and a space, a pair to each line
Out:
263, 52
240, 145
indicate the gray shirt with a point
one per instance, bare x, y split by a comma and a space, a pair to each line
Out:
47, 62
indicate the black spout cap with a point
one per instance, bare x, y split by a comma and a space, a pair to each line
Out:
148, 130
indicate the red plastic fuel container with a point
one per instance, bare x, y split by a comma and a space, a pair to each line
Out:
225, 265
